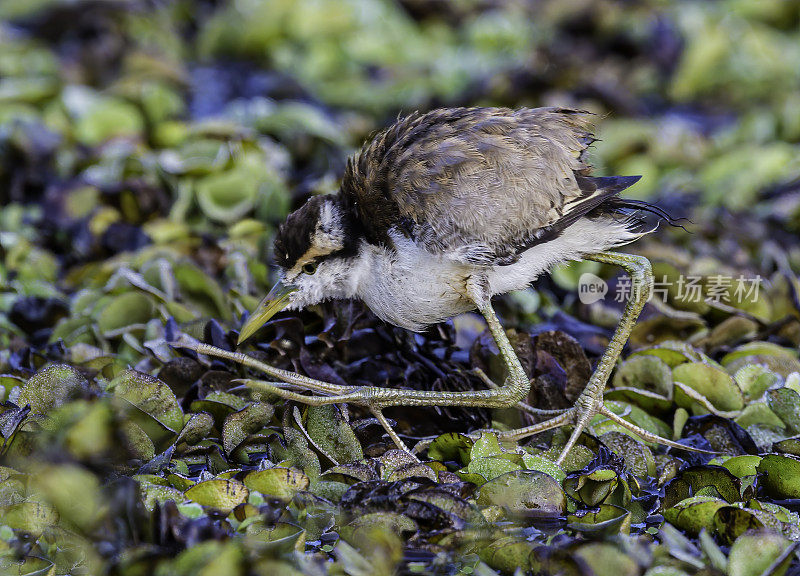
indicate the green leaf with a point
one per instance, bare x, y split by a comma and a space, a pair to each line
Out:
541, 464
672, 353
361, 528
208, 558
695, 479
151, 396
782, 361
730, 522
507, 554
51, 387
759, 414
72, 490
200, 289
197, 157
524, 491
638, 457
295, 453
240, 425
332, 435
647, 382
785, 403
126, 309
230, 195
90, 431
412, 470
379, 552
694, 513
787, 446
196, 429
755, 552
138, 441
153, 494
594, 487
754, 380
219, 494
106, 118
278, 538
451, 447
741, 466
487, 468
606, 560
220, 405
33, 517
363, 471
486, 445
179, 481
782, 475
27, 89
717, 386
608, 520
281, 483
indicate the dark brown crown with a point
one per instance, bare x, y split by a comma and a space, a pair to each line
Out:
293, 238
296, 235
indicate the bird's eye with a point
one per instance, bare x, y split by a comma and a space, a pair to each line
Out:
309, 268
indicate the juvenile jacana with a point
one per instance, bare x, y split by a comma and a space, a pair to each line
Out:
437, 214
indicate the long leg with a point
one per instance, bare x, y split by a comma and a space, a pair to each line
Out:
378, 413
376, 399
289, 377
354, 397
590, 402
514, 389
644, 434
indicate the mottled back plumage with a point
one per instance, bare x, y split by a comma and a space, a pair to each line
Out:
480, 184
477, 186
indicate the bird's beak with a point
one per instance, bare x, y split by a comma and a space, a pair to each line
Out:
274, 302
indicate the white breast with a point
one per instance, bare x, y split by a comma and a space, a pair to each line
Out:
413, 288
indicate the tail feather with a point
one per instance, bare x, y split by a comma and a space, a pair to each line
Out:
608, 187
594, 193
600, 196
619, 205
608, 184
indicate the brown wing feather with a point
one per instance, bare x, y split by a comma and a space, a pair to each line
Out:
475, 183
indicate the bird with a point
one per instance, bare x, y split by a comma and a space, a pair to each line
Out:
435, 215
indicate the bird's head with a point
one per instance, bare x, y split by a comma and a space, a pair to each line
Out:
315, 248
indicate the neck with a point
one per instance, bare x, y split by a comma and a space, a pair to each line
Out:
344, 276
361, 267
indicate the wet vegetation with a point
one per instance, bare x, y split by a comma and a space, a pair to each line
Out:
148, 150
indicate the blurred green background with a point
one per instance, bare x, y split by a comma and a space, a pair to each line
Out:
149, 148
